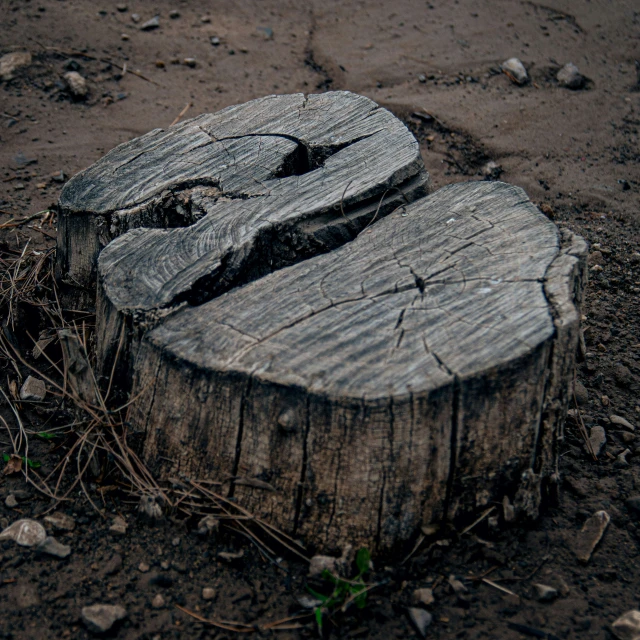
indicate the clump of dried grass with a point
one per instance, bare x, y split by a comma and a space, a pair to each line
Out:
97, 437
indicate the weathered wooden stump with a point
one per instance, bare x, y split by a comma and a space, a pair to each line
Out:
349, 383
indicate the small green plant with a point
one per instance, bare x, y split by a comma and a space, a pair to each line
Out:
32, 464
344, 591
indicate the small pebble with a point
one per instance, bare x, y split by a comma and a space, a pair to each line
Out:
11, 501
76, 84
319, 563
422, 78
622, 375
597, 438
11, 62
33, 389
143, 567
544, 592
591, 534
99, 618
150, 25
176, 542
165, 564
190, 62
456, 585
515, 71
570, 77
581, 393
421, 619
160, 64
424, 596
122, 8
205, 19
208, 593
135, 18
54, 548
118, 526
621, 458
124, 37
158, 602
26, 533
215, 41
627, 626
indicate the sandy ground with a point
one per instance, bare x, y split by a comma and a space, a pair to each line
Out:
436, 65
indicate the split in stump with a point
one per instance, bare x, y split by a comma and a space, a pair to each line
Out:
348, 377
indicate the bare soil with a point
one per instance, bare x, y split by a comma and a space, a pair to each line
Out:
576, 154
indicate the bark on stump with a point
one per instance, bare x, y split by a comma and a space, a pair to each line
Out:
347, 381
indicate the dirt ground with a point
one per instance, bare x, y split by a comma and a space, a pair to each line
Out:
435, 64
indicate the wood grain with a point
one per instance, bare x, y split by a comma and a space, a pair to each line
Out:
296, 176
404, 377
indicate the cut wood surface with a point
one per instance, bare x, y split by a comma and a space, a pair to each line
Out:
352, 361
420, 371
250, 173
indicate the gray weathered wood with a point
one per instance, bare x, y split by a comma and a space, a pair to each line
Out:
299, 176
239, 168
417, 373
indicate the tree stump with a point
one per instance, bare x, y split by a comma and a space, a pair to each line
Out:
349, 376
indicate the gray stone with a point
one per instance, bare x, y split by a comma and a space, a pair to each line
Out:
11, 62
176, 542
135, 18
122, 8
76, 84
627, 626
119, 526
621, 458
11, 501
174, 14
544, 592
634, 258
208, 593
515, 70
190, 62
33, 389
143, 567
622, 375
99, 618
597, 438
581, 393
60, 521
54, 548
26, 533
570, 77
149, 25
622, 422
158, 602
421, 619
590, 535
319, 563
424, 596
456, 585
